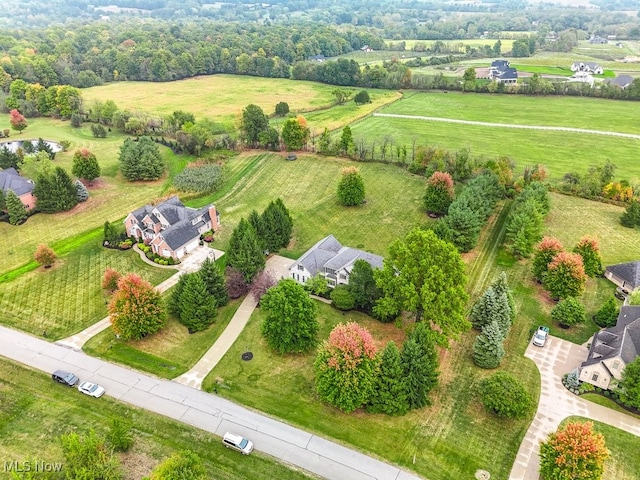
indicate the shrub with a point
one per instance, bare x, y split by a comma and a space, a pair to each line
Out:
126, 244
98, 131
45, 255
236, 285
110, 279
568, 312
262, 282
351, 187
504, 395
607, 316
342, 298
119, 435
199, 179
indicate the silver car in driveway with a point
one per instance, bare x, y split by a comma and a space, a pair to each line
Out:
540, 337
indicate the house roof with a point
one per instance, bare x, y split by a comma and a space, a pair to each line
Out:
629, 272
509, 74
10, 179
329, 253
622, 340
621, 81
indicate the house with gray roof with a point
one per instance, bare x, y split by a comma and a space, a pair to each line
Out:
588, 67
171, 229
624, 275
501, 72
332, 260
622, 81
10, 179
612, 349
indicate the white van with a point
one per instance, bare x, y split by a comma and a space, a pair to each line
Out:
241, 444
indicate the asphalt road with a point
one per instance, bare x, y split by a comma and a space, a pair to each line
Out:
208, 412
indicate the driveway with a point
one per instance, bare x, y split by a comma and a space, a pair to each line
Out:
553, 360
208, 412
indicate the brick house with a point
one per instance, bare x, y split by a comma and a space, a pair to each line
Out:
10, 179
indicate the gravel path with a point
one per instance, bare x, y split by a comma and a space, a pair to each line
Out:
510, 125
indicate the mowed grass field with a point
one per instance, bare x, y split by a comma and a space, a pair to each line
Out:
507, 44
34, 412
308, 188
223, 97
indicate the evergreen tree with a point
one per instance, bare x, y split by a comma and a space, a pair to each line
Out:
346, 140
3, 201
56, 192
245, 253
197, 307
81, 191
607, 316
419, 361
214, 280
140, 160
111, 233
362, 285
351, 187
524, 228
15, 209
487, 348
256, 221
174, 305
501, 286
8, 159
284, 223
631, 216
389, 392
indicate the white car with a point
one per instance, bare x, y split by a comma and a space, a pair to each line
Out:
91, 389
540, 337
237, 442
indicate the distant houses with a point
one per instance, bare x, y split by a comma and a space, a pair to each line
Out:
10, 179
501, 72
621, 81
591, 68
317, 58
596, 39
366, 49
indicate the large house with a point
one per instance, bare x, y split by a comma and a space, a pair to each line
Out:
501, 72
170, 228
612, 349
10, 179
331, 260
624, 275
592, 68
622, 81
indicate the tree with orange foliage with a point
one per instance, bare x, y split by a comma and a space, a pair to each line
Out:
565, 276
589, 250
45, 255
439, 194
110, 279
548, 248
575, 451
136, 309
17, 120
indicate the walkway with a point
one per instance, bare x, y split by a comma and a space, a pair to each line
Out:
208, 412
194, 377
555, 359
510, 125
191, 263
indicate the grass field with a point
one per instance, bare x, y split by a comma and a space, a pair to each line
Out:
34, 412
308, 188
472, 42
620, 465
68, 297
168, 353
450, 440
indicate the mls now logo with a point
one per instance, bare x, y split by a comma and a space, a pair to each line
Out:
29, 466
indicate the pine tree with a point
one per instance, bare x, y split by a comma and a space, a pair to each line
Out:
245, 253
174, 305
487, 348
483, 309
81, 191
15, 209
389, 391
3, 201
419, 361
56, 192
501, 286
258, 224
110, 233
607, 316
284, 222
631, 216
214, 281
197, 307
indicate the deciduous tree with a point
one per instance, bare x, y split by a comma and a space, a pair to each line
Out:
45, 255
88, 456
136, 309
548, 248
565, 276
15, 209
290, 325
253, 122
110, 279
589, 250
295, 133
17, 120
236, 285
245, 252
262, 282
282, 108
487, 348
389, 391
630, 384
426, 276
346, 140
345, 367
631, 216
574, 451
568, 312
362, 285
362, 97
351, 187
439, 193
85, 165
342, 298
607, 316
505, 396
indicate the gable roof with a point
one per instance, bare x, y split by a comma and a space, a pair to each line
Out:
329, 253
622, 340
10, 179
629, 272
621, 81
509, 74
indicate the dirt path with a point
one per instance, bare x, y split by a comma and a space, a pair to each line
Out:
509, 125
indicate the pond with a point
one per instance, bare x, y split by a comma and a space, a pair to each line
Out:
15, 144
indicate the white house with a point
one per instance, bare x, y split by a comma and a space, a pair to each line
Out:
170, 228
588, 67
330, 259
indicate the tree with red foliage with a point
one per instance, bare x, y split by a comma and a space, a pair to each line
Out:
45, 255
110, 279
439, 194
548, 248
136, 309
589, 250
236, 286
261, 283
85, 165
565, 276
346, 367
574, 451
17, 120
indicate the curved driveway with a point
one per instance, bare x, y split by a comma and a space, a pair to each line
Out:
509, 125
555, 359
208, 412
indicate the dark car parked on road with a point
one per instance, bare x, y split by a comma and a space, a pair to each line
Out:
65, 378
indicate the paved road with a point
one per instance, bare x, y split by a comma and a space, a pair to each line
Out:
510, 125
555, 359
208, 412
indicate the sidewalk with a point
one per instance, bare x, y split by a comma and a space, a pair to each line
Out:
190, 264
194, 377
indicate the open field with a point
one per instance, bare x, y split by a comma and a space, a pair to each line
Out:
308, 188
34, 412
620, 465
168, 353
68, 297
450, 439
472, 42
223, 97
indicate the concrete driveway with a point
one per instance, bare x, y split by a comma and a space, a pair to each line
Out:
553, 360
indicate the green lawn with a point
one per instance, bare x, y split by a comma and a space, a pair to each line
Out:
308, 188
34, 412
472, 42
168, 353
68, 297
622, 463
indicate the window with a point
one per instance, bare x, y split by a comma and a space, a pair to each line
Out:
594, 377
616, 365
300, 267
